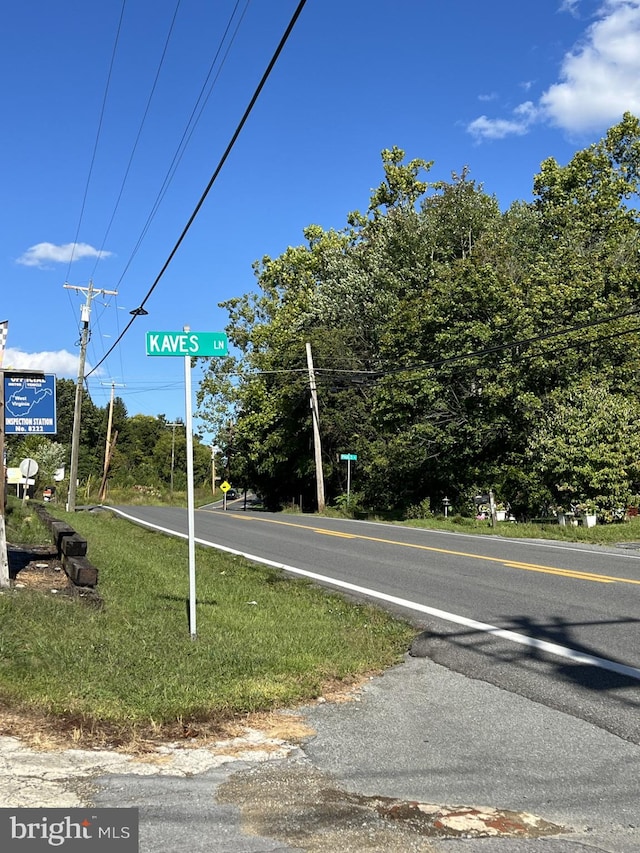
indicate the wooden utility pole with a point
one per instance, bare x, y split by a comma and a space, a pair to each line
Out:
315, 416
84, 340
173, 450
108, 450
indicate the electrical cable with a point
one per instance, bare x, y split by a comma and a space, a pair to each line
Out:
98, 132
139, 134
213, 178
330, 372
188, 131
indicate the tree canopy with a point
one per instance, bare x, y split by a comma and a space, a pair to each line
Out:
455, 343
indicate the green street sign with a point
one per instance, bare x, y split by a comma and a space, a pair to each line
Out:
348, 457
187, 343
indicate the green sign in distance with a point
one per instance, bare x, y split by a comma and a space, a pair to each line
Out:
187, 343
348, 457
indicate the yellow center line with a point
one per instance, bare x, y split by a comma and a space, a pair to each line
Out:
512, 564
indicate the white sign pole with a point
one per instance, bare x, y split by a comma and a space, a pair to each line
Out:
190, 498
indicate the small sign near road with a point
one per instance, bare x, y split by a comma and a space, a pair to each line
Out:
187, 343
30, 403
348, 457
224, 487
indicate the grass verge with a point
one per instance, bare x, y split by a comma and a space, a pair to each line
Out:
132, 670
601, 534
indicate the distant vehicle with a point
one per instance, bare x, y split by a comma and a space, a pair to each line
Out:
232, 495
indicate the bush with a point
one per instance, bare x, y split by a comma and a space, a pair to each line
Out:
421, 510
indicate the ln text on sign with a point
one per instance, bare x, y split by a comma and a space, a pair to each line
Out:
187, 343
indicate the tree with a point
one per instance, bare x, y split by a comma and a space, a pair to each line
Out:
586, 446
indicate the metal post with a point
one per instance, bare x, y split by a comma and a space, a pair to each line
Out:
190, 497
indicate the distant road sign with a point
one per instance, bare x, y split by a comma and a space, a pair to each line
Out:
225, 486
348, 457
28, 467
187, 343
30, 403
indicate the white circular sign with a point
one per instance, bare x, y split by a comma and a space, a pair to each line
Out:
28, 468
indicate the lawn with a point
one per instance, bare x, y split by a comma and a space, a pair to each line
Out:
131, 668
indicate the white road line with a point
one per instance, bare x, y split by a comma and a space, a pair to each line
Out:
512, 636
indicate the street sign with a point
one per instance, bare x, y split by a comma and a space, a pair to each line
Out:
187, 343
28, 468
224, 487
30, 403
348, 457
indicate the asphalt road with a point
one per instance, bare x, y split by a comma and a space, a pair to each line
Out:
558, 623
517, 738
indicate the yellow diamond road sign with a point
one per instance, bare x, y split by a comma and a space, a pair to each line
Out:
225, 486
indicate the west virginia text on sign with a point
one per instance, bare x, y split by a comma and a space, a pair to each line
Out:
186, 343
30, 403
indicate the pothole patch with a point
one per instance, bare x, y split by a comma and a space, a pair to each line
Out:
301, 806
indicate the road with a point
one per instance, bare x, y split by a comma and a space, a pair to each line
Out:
517, 714
555, 622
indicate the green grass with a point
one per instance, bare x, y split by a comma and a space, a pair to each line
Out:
22, 525
601, 534
263, 640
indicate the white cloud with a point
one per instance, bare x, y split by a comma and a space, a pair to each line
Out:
43, 253
599, 79
64, 364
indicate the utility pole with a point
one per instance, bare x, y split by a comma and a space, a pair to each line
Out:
315, 415
77, 411
214, 448
108, 447
173, 450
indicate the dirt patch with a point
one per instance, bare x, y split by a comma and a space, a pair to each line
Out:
37, 568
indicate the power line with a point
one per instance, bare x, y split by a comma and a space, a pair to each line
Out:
188, 130
330, 372
95, 145
140, 310
139, 133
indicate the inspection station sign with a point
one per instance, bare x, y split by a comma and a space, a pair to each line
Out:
30, 403
187, 343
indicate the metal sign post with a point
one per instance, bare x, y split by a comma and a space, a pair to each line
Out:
190, 499
349, 458
188, 344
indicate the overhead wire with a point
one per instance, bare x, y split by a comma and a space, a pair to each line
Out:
329, 372
130, 162
98, 134
139, 133
213, 178
187, 133
192, 122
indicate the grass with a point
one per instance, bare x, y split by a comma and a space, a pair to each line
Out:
601, 534
263, 640
22, 526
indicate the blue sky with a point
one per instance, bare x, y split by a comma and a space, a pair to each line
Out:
496, 86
